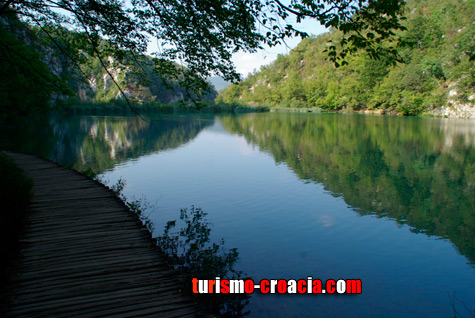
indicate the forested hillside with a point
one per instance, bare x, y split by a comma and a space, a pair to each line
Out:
438, 75
45, 66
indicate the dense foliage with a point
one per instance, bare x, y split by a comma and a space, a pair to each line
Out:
26, 83
438, 56
204, 34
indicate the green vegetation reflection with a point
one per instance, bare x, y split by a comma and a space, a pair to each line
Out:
419, 172
195, 255
96, 144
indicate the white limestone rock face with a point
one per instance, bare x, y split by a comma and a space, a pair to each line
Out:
456, 108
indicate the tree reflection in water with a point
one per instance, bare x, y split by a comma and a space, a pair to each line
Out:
193, 254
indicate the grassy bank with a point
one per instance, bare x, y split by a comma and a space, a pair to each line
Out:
296, 110
120, 107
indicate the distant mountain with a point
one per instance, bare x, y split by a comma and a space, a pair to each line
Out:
218, 82
438, 76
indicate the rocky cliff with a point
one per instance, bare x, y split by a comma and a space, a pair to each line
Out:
41, 66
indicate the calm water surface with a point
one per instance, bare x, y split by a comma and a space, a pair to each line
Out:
388, 200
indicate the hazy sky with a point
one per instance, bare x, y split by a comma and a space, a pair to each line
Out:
246, 62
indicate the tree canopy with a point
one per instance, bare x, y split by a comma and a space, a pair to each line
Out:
203, 34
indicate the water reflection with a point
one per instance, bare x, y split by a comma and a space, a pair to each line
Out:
99, 143
194, 255
419, 172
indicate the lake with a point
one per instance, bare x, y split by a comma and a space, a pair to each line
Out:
388, 200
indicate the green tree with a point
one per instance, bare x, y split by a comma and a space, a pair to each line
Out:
26, 83
204, 34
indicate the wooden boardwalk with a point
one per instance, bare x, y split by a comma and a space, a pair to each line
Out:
85, 255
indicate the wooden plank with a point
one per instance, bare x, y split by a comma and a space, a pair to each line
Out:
80, 247
82, 225
73, 303
52, 283
84, 254
87, 257
78, 278
36, 295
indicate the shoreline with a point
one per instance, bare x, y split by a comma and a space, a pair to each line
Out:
467, 112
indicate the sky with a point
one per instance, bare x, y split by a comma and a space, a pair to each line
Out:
246, 62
